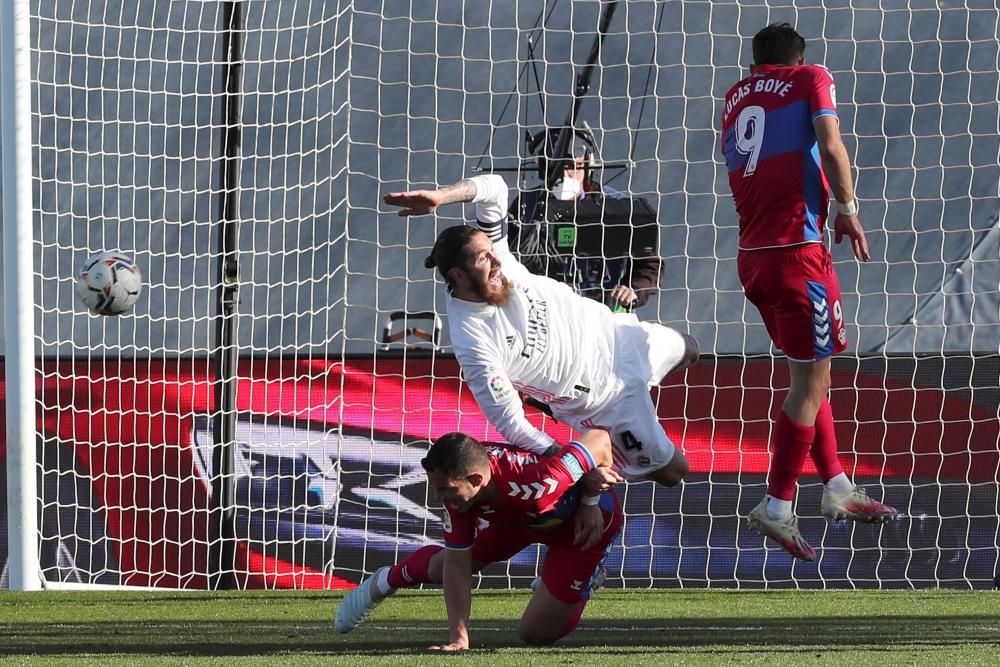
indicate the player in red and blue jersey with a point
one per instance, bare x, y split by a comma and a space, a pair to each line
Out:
499, 500
783, 150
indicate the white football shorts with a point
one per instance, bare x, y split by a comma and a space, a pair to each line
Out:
644, 353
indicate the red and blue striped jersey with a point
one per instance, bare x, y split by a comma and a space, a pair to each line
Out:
772, 156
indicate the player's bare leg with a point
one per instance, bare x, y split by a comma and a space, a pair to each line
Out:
546, 618
692, 352
809, 384
672, 473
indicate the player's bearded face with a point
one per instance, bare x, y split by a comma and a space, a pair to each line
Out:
486, 278
494, 289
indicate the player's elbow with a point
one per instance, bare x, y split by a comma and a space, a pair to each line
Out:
831, 148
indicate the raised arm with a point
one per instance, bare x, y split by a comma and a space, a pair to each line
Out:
488, 191
422, 202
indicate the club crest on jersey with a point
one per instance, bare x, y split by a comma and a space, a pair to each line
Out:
499, 386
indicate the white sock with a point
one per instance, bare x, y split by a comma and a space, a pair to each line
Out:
778, 509
382, 583
840, 484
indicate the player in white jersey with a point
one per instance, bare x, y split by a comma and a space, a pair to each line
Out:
515, 331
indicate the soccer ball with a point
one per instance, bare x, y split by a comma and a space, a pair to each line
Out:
109, 284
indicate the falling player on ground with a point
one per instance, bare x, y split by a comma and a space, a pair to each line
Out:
526, 499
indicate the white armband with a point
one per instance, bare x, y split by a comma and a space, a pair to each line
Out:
590, 500
849, 208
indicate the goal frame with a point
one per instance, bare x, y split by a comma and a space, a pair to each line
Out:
18, 273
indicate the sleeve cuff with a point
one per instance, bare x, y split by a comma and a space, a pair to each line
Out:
824, 112
583, 454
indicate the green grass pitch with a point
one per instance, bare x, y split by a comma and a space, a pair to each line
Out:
937, 627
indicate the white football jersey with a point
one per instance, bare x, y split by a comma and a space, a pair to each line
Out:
547, 341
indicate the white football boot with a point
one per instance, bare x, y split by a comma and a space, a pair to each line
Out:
359, 603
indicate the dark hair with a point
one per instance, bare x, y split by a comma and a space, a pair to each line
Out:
451, 249
778, 44
455, 455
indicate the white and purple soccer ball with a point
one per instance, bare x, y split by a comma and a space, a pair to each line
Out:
109, 284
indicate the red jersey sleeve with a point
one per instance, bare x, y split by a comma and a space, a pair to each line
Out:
459, 528
823, 94
539, 486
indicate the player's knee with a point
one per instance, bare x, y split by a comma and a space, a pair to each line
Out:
692, 352
822, 385
532, 635
677, 468
811, 393
672, 473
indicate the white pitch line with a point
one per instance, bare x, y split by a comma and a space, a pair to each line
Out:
667, 628
479, 628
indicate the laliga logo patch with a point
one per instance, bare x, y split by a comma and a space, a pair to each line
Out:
842, 336
499, 386
573, 466
446, 521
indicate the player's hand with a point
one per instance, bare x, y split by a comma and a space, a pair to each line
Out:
850, 226
623, 296
415, 202
453, 647
599, 480
588, 526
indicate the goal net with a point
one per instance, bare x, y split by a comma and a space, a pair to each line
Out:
345, 370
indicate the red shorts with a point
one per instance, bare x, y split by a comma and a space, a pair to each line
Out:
567, 570
798, 295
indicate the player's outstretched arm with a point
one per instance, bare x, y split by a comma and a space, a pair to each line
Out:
422, 202
457, 581
837, 167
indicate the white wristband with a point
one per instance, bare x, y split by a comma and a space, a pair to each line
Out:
850, 208
589, 500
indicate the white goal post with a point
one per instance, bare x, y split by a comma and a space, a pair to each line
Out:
134, 458
19, 379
